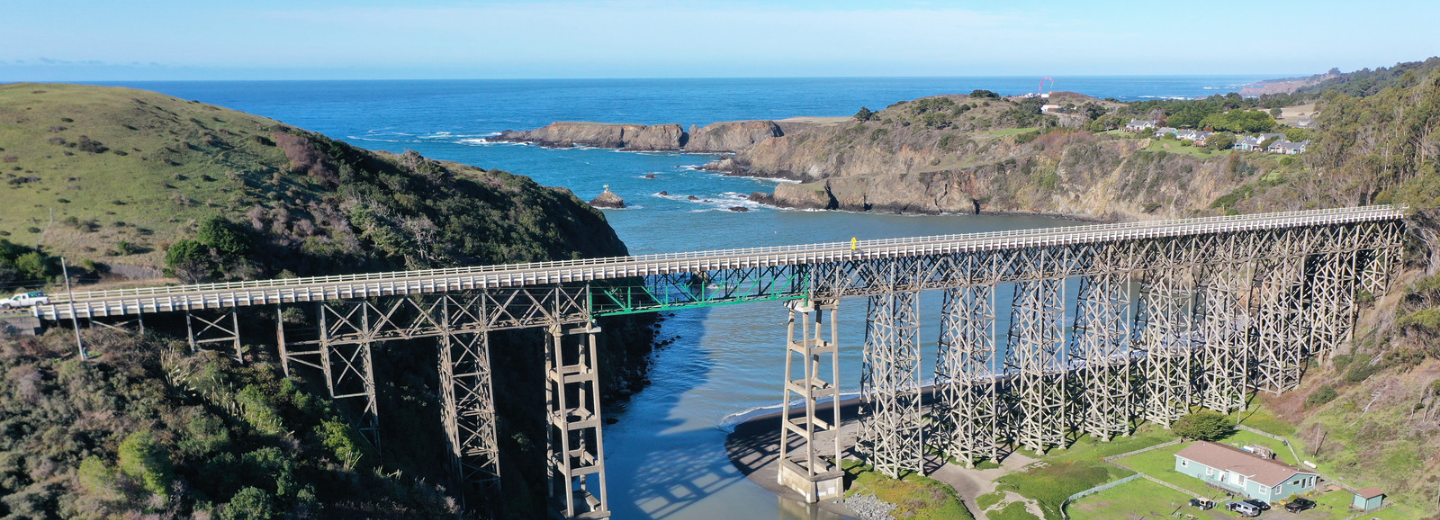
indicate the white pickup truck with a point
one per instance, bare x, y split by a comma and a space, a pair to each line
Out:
29, 299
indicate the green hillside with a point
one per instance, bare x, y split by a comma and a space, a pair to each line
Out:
127, 173
140, 183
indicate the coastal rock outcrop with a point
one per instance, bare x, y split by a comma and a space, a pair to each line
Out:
565, 134
730, 136
724, 137
608, 199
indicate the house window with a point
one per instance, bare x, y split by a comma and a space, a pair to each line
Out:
1207, 472
1277, 490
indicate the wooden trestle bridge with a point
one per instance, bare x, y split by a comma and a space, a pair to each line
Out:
1168, 315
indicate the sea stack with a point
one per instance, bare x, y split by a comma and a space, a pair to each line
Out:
608, 199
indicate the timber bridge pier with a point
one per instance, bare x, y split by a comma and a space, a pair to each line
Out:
1167, 315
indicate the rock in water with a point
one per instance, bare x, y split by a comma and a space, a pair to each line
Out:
608, 199
692, 197
739, 209
663, 193
650, 175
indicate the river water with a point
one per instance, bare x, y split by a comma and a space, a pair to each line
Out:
665, 456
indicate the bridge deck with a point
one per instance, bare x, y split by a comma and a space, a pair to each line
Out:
269, 292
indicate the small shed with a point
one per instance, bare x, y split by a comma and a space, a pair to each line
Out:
1368, 499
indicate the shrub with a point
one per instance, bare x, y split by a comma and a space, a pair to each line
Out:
1361, 368
143, 458
864, 114
980, 93
1321, 396
1203, 425
250, 503
342, 441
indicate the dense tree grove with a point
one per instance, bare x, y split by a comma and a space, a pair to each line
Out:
151, 429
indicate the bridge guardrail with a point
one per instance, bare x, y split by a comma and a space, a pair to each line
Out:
1068, 234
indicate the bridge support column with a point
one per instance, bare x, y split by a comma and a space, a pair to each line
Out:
1332, 303
348, 364
812, 468
891, 426
1227, 329
1166, 336
214, 331
1100, 340
575, 454
1038, 389
1279, 333
968, 407
468, 402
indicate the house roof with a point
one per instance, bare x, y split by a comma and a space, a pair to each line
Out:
1268, 472
1369, 493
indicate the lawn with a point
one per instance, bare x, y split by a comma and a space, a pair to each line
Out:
1174, 146
1138, 497
1160, 464
915, 497
1080, 467
1007, 131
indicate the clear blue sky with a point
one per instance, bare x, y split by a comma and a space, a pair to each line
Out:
386, 39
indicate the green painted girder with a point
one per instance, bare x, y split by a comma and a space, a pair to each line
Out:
689, 291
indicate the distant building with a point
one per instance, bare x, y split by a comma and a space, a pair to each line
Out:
1167, 130
1288, 148
1267, 137
1139, 125
1368, 499
1247, 143
1199, 136
1242, 472
1049, 108
1305, 122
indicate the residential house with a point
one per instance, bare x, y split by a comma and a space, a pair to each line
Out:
1243, 472
1305, 122
1139, 125
1199, 136
1288, 148
1050, 109
1167, 130
1247, 143
1267, 137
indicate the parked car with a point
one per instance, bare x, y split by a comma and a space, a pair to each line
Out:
29, 299
1263, 505
1300, 504
1244, 508
1202, 503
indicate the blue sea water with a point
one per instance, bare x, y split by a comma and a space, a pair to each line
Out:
665, 456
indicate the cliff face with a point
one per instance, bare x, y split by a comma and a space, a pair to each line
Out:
601, 135
1084, 177
721, 137
731, 136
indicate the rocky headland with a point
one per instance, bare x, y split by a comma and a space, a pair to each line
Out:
722, 137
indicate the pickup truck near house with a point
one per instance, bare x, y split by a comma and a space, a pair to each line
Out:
29, 299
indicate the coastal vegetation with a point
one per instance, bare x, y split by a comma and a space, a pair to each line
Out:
150, 189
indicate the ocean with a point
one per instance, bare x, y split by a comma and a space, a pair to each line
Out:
665, 456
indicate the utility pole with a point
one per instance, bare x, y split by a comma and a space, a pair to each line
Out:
70, 295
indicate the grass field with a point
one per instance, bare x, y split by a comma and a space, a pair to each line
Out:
1135, 499
915, 497
1081, 466
1174, 146
86, 168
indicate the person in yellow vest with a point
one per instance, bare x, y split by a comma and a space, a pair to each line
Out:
854, 243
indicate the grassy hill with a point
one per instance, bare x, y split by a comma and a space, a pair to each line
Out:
141, 183
117, 176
